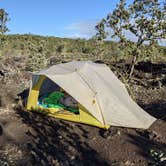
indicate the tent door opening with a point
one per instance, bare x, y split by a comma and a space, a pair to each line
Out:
51, 96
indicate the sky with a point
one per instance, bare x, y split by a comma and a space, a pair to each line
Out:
59, 18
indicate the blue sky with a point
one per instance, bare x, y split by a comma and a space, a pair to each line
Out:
63, 18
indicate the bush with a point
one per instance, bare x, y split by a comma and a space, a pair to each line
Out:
36, 61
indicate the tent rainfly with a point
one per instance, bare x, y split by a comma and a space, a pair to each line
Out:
102, 98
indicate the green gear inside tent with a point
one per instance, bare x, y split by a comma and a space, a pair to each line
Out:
52, 100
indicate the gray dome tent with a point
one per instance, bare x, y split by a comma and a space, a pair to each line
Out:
97, 90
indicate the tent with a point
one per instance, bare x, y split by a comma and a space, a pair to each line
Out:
102, 98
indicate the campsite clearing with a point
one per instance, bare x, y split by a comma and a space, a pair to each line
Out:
29, 138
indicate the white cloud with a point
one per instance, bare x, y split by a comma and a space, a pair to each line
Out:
82, 29
86, 29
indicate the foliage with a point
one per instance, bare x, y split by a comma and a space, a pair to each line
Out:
39, 50
158, 156
6, 160
36, 62
3, 20
144, 20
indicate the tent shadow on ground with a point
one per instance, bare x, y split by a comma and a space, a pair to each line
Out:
56, 140
145, 145
156, 109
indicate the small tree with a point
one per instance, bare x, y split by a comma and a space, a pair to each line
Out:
145, 19
3, 20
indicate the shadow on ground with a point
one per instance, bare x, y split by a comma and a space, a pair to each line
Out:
147, 146
56, 142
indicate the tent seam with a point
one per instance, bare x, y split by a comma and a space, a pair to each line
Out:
95, 94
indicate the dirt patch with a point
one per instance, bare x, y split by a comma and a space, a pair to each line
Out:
28, 138
57, 142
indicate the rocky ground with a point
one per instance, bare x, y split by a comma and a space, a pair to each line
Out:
28, 138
